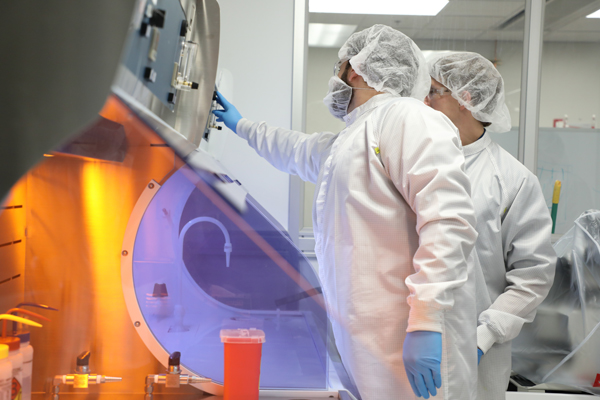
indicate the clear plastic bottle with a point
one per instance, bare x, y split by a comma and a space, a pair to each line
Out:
5, 373
27, 352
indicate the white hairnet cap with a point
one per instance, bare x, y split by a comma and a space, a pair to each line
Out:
465, 72
388, 60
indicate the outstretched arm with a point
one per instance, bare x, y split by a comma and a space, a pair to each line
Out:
287, 150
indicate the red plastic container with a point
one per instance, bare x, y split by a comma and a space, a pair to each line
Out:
243, 349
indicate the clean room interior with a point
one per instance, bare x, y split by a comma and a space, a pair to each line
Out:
151, 227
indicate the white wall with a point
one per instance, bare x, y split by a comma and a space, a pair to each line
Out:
256, 52
570, 82
318, 118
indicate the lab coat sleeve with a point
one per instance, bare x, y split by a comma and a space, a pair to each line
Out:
289, 151
422, 154
530, 262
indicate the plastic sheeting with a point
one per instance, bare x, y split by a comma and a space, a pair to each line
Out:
562, 345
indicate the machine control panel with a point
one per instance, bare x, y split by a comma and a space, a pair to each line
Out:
161, 56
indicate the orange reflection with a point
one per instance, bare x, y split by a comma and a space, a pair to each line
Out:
77, 212
100, 192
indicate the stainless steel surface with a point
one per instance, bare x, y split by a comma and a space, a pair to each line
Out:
59, 59
176, 396
64, 60
184, 379
93, 379
194, 156
191, 110
170, 381
195, 105
12, 247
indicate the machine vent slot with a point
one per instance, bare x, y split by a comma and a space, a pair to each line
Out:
11, 207
10, 279
9, 243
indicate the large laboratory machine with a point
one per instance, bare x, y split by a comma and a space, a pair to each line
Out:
134, 245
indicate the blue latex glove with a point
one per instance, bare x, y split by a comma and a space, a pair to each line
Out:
422, 355
479, 354
229, 115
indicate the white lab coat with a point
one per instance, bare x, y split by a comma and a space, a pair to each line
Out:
393, 224
515, 252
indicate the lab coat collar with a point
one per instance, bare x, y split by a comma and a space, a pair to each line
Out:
369, 105
477, 145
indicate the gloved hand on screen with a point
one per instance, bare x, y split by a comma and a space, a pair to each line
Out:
229, 114
422, 355
479, 354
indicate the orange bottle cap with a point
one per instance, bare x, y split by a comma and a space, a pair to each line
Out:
13, 343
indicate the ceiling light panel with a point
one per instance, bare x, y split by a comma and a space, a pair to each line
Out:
329, 35
380, 7
594, 15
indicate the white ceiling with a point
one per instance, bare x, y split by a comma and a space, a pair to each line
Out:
485, 20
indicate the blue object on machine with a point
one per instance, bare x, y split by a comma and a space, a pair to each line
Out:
479, 354
229, 115
422, 355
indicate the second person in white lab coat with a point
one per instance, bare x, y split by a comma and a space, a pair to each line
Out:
393, 221
513, 221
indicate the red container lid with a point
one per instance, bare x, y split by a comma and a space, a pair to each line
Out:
12, 342
242, 336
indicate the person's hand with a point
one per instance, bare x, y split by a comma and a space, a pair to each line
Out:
479, 354
422, 355
229, 114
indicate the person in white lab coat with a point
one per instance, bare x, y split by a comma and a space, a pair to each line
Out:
393, 221
513, 221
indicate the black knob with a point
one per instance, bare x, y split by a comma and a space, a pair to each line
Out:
83, 359
172, 99
184, 28
145, 29
158, 18
160, 289
174, 358
150, 74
